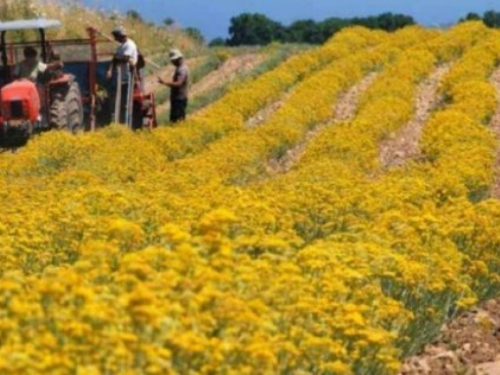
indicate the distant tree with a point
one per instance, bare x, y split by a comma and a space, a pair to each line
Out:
402, 20
369, 22
217, 42
471, 17
168, 21
195, 34
304, 31
331, 26
385, 21
393, 22
257, 29
492, 18
254, 29
134, 15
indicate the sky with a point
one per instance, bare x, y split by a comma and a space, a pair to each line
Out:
212, 17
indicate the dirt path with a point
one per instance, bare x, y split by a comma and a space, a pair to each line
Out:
495, 126
266, 112
344, 110
227, 72
151, 81
404, 145
230, 70
468, 345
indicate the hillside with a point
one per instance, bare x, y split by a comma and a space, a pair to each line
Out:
76, 18
326, 216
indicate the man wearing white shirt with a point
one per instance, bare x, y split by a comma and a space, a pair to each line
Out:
31, 68
125, 58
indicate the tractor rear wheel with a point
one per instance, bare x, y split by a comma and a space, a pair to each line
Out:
66, 109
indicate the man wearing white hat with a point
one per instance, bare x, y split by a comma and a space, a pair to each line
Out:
178, 86
125, 58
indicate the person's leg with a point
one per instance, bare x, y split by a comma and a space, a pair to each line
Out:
123, 104
110, 103
182, 109
174, 111
116, 99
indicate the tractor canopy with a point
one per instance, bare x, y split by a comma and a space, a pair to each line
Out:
34, 24
38, 24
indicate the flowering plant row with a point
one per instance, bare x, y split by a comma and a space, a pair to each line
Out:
116, 261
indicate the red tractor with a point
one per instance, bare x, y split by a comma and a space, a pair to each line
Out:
73, 98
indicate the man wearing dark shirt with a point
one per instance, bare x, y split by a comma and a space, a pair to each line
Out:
178, 87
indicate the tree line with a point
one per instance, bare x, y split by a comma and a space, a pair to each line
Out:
258, 29
491, 18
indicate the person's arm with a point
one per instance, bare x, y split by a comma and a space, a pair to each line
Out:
54, 66
44, 69
116, 60
112, 64
179, 82
109, 72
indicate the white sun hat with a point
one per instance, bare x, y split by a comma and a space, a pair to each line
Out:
175, 54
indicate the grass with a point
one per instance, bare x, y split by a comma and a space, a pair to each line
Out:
277, 54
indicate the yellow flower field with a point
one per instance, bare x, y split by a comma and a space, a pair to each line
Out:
177, 251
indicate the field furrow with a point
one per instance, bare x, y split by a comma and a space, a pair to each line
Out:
403, 146
237, 106
241, 155
344, 110
269, 110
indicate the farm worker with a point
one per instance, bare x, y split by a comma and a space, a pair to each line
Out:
34, 70
126, 54
31, 68
125, 58
178, 86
